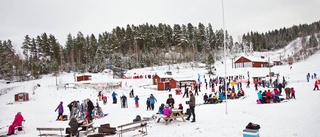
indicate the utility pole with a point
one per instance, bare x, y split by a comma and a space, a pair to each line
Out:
225, 60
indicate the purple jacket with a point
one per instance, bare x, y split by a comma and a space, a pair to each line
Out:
60, 108
167, 111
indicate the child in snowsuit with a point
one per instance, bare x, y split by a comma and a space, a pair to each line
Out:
60, 110
148, 104
160, 111
136, 100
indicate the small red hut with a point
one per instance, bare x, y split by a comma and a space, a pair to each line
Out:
23, 96
83, 78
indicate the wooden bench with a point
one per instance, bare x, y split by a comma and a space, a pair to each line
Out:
52, 131
87, 128
133, 126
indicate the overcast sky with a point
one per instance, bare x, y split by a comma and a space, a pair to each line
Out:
61, 17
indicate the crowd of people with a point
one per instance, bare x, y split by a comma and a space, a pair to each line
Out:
230, 88
273, 96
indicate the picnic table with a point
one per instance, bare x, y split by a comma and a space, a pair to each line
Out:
88, 128
175, 114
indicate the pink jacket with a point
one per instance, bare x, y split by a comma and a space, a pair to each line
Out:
167, 111
18, 120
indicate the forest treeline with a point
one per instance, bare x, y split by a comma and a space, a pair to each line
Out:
138, 46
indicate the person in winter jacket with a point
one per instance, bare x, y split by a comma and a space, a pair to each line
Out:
153, 100
180, 107
205, 98
170, 101
316, 85
104, 98
73, 126
70, 105
167, 110
276, 91
100, 95
89, 109
185, 91
136, 100
288, 92
269, 96
124, 101
131, 95
148, 104
114, 97
160, 111
138, 118
192, 105
260, 95
221, 96
293, 95
280, 86
60, 110
169, 88
74, 110
17, 122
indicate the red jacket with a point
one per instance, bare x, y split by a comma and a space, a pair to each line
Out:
276, 91
18, 120
316, 83
269, 94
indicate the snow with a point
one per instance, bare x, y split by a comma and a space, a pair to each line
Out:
299, 118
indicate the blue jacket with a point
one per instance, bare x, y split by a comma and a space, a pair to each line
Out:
160, 111
153, 100
221, 96
114, 94
259, 95
136, 99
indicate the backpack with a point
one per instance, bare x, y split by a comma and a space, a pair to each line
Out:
188, 111
253, 126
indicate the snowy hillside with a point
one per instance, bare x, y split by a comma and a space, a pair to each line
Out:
298, 118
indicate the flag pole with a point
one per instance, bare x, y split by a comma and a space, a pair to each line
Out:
225, 60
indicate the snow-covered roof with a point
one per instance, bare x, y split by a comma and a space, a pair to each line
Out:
164, 75
185, 78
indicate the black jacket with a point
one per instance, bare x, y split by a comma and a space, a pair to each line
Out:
73, 125
90, 105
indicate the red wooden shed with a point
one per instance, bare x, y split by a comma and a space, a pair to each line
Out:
243, 62
155, 79
83, 78
158, 78
23, 96
162, 85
